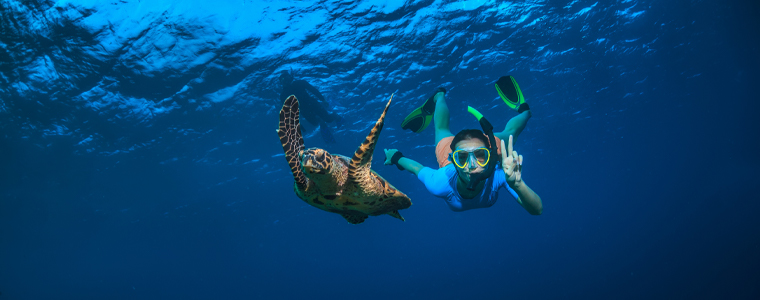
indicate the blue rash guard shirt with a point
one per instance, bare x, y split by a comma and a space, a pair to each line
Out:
443, 184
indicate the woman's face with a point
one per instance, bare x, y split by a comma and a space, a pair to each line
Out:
471, 169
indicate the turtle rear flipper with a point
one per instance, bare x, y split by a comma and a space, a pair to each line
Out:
291, 139
354, 219
362, 158
392, 203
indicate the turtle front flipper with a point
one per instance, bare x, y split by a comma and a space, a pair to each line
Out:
291, 139
362, 158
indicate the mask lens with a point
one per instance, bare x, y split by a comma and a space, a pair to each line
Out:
482, 155
460, 158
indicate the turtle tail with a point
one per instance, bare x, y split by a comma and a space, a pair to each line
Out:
396, 215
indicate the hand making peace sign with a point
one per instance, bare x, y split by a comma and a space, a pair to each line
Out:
512, 164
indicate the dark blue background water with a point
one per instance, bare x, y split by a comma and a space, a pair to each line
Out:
136, 170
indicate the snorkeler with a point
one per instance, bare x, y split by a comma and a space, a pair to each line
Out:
473, 165
312, 104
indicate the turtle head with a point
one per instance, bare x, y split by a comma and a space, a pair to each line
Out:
316, 161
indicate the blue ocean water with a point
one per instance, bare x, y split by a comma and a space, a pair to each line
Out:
139, 159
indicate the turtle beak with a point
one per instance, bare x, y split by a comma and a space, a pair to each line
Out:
311, 167
308, 166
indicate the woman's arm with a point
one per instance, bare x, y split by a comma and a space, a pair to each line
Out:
406, 163
316, 93
512, 164
528, 199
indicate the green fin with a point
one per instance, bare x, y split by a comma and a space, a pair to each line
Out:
510, 92
421, 117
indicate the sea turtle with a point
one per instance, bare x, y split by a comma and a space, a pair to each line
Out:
336, 183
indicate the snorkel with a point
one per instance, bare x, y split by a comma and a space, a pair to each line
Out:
491, 167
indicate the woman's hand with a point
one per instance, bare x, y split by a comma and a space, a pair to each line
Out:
389, 154
512, 164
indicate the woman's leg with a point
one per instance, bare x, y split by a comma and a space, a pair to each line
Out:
441, 118
514, 127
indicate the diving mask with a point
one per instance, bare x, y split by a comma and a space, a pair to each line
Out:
462, 158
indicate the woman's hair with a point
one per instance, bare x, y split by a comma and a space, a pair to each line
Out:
469, 134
